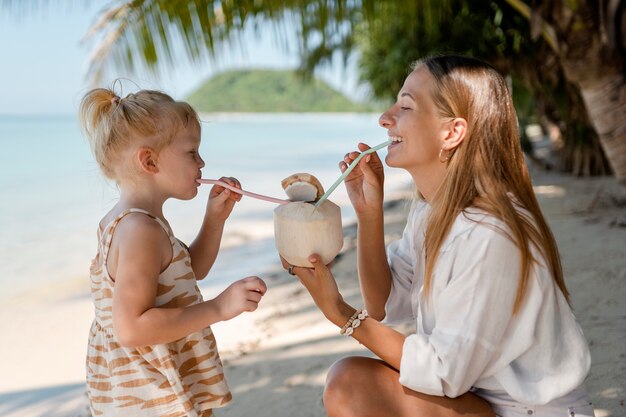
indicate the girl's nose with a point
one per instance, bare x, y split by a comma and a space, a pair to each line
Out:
201, 161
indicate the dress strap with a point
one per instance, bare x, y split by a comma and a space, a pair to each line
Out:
110, 229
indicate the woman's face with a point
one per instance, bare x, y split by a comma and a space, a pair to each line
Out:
414, 122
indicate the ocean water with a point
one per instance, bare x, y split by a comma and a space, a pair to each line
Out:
52, 194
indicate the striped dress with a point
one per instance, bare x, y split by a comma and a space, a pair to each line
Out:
178, 379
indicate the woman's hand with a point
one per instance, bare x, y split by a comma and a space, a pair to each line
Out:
240, 296
321, 284
365, 183
222, 200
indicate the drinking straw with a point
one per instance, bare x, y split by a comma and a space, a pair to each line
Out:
240, 191
349, 169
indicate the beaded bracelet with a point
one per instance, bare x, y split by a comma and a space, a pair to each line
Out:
349, 322
353, 322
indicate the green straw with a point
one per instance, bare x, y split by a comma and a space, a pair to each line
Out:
348, 170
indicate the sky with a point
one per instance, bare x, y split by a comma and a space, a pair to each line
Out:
43, 63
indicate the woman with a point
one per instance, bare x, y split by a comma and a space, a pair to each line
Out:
477, 267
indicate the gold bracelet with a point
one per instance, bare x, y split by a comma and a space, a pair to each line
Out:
353, 322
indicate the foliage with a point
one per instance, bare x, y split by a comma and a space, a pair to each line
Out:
269, 91
495, 32
540, 45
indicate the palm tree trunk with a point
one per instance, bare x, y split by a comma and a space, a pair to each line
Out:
592, 57
605, 100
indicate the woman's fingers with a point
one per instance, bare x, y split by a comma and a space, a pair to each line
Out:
365, 161
287, 265
320, 269
363, 146
347, 161
350, 157
373, 157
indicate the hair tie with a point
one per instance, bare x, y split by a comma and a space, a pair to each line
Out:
115, 100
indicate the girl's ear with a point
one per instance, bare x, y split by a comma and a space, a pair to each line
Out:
147, 159
457, 129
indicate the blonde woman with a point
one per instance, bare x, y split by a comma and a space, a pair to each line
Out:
477, 268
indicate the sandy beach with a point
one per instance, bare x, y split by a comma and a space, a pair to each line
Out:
276, 358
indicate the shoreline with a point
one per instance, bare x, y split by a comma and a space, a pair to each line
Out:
276, 358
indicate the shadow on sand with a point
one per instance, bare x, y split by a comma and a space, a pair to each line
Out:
55, 401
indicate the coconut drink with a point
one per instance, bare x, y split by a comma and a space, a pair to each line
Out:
302, 228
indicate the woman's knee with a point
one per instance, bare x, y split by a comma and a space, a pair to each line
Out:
337, 380
359, 386
343, 384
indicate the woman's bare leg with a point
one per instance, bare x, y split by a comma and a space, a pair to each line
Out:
364, 387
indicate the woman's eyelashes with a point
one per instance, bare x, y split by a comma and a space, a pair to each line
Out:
404, 104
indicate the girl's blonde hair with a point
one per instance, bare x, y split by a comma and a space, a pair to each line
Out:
114, 125
487, 170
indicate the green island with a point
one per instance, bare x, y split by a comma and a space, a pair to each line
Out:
270, 91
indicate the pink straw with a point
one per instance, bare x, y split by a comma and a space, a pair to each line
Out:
248, 193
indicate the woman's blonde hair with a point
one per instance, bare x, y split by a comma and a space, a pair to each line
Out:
487, 170
145, 118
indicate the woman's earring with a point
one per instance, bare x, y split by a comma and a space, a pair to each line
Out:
443, 160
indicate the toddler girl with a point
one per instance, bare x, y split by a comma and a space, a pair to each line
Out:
151, 351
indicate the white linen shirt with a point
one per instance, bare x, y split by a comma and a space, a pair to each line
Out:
466, 334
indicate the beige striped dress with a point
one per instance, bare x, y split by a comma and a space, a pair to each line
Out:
177, 379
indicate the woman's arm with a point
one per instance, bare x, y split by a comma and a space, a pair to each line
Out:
380, 339
471, 315
142, 248
373, 269
365, 189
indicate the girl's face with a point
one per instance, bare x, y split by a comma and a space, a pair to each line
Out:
413, 120
180, 163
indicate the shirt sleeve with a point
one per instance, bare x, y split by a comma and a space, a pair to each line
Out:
401, 255
472, 311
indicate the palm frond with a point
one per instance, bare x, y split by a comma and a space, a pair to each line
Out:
144, 30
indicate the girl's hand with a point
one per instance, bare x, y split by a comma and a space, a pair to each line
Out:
240, 296
365, 183
222, 200
320, 283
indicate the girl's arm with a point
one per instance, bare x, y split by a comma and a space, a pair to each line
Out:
205, 247
203, 250
142, 248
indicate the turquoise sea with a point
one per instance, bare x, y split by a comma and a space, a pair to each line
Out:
52, 194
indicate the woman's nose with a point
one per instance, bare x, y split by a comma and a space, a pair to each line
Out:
384, 120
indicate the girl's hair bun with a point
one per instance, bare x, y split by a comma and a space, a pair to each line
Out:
112, 123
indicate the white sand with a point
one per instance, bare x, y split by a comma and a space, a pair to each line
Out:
277, 358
